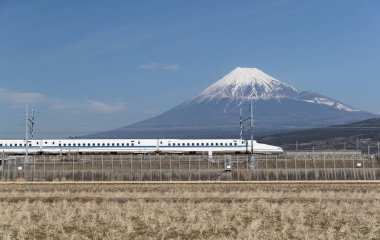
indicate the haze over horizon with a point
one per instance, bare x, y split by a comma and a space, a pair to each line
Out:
92, 66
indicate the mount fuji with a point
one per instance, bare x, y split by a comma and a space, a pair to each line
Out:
278, 107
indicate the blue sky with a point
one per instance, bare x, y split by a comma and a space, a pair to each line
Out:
88, 66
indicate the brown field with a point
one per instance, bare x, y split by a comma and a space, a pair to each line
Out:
190, 210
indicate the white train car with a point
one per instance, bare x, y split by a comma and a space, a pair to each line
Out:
215, 145
209, 146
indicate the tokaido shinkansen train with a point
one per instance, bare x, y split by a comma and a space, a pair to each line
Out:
208, 146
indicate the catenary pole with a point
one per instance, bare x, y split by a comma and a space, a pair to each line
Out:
26, 135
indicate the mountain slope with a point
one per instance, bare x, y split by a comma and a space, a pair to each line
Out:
347, 136
215, 111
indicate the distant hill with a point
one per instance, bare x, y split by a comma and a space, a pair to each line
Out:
214, 112
350, 136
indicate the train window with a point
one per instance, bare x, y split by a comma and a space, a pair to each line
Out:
235, 144
98, 144
74, 144
160, 142
183, 144
108, 144
10, 145
59, 144
188, 144
138, 142
169, 144
1, 144
69, 144
117, 144
132, 144
203, 144
127, 144
216, 144
206, 144
53, 143
230, 144
103, 144
192, 144
45, 142
242, 142
64, 144
197, 144
30, 145
122, 144
212, 144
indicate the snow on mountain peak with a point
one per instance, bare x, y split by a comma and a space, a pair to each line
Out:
246, 76
244, 84
247, 83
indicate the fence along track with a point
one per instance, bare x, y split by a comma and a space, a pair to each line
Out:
298, 167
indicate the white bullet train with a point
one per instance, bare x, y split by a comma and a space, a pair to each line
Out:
207, 146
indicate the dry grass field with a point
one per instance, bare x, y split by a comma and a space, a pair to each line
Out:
190, 210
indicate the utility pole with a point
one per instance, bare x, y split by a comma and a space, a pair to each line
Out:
29, 126
26, 135
251, 158
251, 127
241, 125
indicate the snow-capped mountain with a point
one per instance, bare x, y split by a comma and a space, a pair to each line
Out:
243, 84
215, 111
